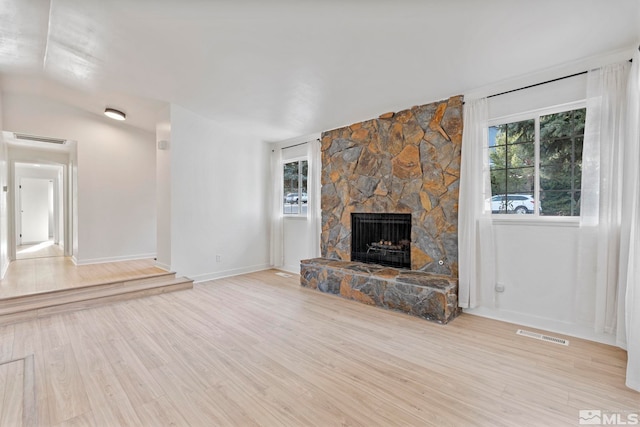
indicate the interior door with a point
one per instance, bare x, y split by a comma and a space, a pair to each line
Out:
34, 210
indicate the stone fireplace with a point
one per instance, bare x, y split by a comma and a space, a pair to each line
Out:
400, 163
407, 162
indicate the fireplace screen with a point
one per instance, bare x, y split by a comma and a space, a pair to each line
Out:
381, 238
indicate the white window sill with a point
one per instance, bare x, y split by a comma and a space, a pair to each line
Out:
296, 217
541, 221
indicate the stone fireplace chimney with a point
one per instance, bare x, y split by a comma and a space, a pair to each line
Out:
407, 162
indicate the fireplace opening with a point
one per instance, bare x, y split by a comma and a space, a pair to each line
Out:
381, 238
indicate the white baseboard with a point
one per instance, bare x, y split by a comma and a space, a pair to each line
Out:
571, 329
7, 261
163, 266
113, 259
295, 269
228, 273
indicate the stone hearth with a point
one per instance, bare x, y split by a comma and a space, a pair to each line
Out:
430, 296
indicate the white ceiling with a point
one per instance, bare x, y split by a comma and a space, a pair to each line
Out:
284, 68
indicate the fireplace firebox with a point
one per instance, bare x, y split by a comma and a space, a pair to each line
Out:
381, 238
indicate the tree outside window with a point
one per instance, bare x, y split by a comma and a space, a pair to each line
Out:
536, 165
561, 137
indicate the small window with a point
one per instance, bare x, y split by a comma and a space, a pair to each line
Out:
536, 165
295, 187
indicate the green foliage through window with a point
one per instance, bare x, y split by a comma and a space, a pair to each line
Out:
561, 137
549, 185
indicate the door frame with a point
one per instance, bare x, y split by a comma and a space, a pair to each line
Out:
14, 206
55, 186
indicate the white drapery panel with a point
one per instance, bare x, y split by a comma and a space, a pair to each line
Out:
277, 219
476, 249
314, 213
602, 177
630, 228
602, 171
609, 203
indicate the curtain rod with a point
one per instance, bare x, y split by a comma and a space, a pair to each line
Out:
538, 84
544, 83
295, 145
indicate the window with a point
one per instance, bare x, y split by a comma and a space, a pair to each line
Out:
295, 187
536, 164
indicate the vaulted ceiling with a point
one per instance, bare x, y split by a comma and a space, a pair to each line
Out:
283, 68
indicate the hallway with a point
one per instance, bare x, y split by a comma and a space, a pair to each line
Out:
39, 250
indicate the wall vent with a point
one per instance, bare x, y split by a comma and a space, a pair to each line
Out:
542, 337
35, 138
284, 275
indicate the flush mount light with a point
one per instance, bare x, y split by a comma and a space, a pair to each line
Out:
114, 114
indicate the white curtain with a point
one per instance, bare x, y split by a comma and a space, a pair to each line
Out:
476, 249
314, 213
630, 229
602, 176
609, 203
277, 219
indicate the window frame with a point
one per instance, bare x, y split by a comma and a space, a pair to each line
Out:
298, 160
535, 115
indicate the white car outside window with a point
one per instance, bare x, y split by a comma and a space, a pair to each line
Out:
513, 203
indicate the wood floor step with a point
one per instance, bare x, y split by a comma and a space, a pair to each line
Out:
78, 292
38, 305
89, 293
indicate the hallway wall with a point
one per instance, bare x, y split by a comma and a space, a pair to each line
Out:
116, 190
4, 178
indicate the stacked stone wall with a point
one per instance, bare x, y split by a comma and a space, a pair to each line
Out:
405, 162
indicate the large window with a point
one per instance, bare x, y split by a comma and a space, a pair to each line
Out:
536, 164
295, 187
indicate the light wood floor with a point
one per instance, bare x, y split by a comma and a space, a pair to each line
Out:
260, 350
39, 250
30, 276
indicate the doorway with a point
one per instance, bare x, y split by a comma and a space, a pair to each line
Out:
39, 210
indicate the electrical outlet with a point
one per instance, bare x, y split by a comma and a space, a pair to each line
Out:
218, 258
499, 287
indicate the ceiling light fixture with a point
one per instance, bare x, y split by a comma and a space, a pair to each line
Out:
114, 114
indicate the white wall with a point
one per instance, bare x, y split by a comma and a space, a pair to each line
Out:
163, 189
296, 243
4, 182
50, 204
295, 229
537, 258
50, 173
219, 187
18, 158
59, 236
72, 201
116, 206
34, 205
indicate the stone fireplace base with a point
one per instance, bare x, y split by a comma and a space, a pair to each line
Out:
426, 295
